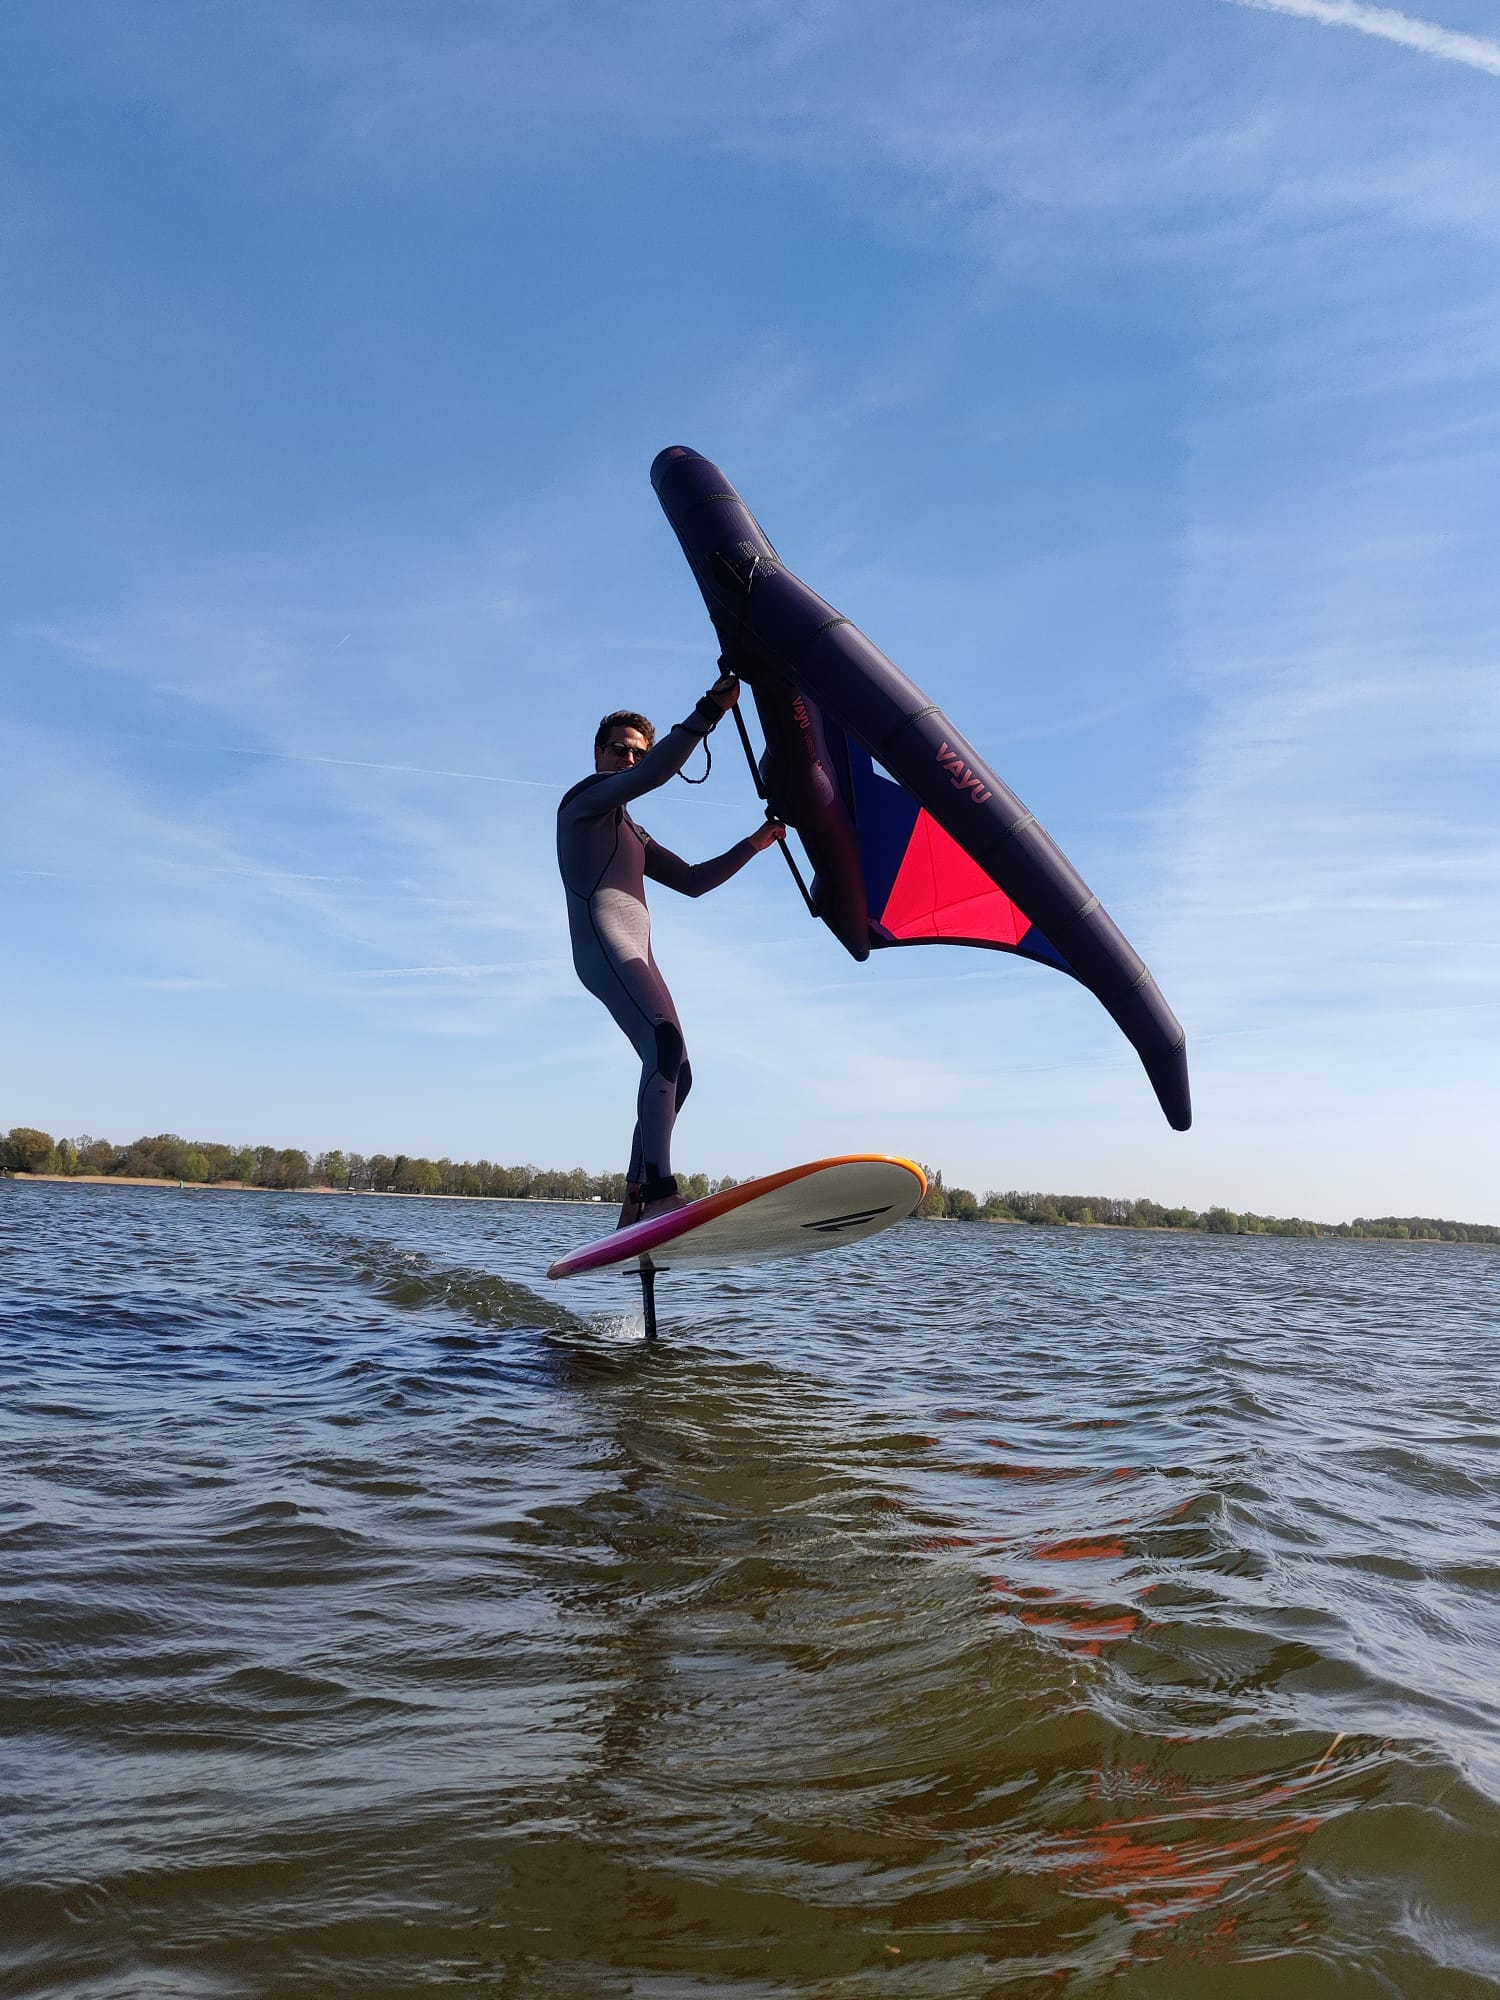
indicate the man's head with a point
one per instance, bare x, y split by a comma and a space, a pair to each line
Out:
621, 740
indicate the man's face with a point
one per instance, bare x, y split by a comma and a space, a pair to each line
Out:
620, 749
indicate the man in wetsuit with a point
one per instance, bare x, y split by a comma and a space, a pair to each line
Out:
604, 858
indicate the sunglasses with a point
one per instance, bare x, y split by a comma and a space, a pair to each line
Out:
630, 750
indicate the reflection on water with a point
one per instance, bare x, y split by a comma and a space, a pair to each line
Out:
976, 1609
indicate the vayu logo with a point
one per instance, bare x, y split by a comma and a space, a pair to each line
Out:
960, 775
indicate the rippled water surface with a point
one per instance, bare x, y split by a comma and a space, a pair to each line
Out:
977, 1610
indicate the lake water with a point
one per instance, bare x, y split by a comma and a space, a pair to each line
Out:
975, 1611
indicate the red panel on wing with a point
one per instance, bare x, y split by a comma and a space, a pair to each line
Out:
941, 892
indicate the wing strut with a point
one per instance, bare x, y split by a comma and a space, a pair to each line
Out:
760, 792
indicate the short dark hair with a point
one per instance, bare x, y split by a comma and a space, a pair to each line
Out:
624, 718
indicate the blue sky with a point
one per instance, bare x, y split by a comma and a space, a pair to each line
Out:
1127, 371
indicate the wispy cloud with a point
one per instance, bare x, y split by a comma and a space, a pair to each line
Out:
189, 749
499, 966
1387, 24
180, 983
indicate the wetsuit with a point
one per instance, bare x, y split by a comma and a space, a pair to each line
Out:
604, 858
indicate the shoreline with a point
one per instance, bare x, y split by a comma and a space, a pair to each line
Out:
1325, 1235
251, 1187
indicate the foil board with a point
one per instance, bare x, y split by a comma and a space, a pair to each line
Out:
802, 1209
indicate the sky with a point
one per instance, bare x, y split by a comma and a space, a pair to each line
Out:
1126, 369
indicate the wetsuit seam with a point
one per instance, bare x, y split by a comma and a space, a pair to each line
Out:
614, 850
609, 958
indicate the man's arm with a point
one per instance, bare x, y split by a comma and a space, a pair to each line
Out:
697, 878
602, 793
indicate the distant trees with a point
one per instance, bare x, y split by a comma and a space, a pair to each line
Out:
168, 1157
1417, 1229
1110, 1211
26, 1150
163, 1157
1083, 1210
282, 1167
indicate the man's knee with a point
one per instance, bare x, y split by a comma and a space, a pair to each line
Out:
684, 1080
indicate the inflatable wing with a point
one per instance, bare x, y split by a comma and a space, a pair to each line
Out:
913, 839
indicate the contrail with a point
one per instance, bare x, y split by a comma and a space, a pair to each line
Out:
1390, 26
298, 757
360, 764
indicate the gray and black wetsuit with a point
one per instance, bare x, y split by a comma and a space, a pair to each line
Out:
604, 858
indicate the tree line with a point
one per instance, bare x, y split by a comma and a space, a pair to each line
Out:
167, 1157
201, 1162
1112, 1212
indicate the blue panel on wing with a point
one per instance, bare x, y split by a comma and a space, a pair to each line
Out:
885, 815
1044, 951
